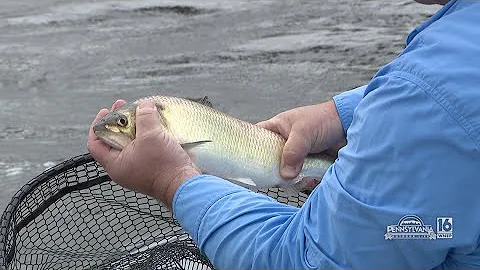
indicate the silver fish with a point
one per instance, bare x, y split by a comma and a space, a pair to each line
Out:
217, 143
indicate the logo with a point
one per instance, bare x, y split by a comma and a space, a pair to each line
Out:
410, 227
444, 227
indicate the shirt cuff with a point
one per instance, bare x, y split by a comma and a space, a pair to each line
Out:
346, 103
195, 196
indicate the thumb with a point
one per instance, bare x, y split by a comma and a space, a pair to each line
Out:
147, 117
295, 150
276, 125
269, 124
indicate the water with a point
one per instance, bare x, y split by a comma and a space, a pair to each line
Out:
63, 60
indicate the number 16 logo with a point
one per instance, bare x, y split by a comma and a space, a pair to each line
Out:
444, 227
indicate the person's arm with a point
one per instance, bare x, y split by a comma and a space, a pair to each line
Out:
346, 103
405, 156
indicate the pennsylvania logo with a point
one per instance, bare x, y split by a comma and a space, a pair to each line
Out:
412, 227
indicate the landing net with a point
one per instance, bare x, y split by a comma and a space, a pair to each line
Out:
73, 216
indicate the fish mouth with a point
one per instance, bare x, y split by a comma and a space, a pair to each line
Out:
115, 140
100, 126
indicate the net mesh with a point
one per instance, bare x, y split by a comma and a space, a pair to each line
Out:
73, 216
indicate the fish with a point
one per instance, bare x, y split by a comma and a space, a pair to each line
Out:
219, 144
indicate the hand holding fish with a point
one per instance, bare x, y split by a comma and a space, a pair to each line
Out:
153, 164
308, 130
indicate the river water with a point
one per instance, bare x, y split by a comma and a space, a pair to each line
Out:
63, 60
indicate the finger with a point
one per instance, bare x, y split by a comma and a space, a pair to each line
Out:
295, 150
147, 117
268, 124
119, 103
103, 153
277, 125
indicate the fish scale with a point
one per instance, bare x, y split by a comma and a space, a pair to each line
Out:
218, 144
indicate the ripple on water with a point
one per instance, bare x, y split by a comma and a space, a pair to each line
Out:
13, 169
100, 11
340, 36
49, 164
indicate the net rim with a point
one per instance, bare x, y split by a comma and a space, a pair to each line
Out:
14, 203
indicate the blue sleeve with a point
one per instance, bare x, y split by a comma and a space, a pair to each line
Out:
406, 170
346, 103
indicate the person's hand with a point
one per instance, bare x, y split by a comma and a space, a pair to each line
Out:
153, 163
308, 130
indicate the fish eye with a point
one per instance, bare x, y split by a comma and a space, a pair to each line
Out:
122, 121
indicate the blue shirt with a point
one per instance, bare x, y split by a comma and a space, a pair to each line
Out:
404, 191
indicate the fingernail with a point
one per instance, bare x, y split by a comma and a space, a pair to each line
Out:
290, 171
146, 104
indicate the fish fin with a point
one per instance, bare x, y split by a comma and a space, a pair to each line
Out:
190, 145
303, 184
203, 100
243, 181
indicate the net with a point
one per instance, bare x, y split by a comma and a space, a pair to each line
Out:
73, 216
